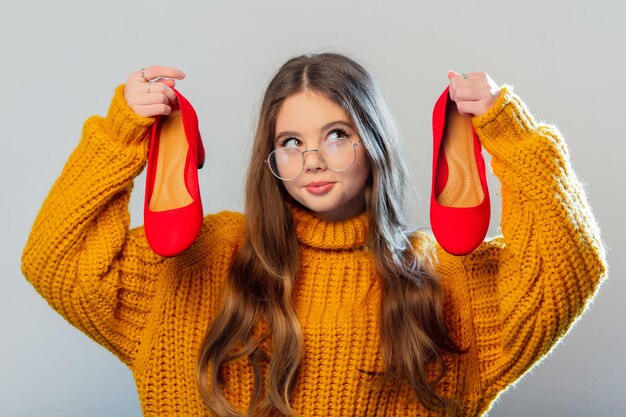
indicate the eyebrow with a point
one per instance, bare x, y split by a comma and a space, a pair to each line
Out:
326, 126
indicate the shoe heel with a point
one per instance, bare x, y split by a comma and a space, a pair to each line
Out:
201, 155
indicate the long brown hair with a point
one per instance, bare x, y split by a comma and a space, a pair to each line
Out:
411, 323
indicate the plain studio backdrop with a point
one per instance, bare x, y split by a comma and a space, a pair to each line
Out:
62, 60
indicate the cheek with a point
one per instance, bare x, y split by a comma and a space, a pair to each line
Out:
363, 167
290, 187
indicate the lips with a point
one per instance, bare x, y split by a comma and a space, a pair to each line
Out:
318, 183
319, 187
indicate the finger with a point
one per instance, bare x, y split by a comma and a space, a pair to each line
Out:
153, 109
166, 89
477, 84
150, 98
476, 80
457, 79
472, 75
155, 87
156, 71
171, 96
471, 108
469, 93
452, 74
454, 78
167, 81
454, 90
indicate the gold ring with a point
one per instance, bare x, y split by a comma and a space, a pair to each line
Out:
149, 84
143, 76
465, 76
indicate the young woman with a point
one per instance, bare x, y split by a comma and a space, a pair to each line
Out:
319, 299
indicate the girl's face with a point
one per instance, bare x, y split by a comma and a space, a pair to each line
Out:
304, 120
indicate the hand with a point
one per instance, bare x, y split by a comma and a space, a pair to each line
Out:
161, 97
475, 95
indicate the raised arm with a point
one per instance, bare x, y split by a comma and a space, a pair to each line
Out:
529, 285
80, 254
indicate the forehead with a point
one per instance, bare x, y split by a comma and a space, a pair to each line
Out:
308, 110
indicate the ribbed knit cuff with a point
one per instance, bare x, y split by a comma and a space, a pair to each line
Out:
123, 124
505, 124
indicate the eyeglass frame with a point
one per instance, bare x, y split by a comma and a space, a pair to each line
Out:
319, 155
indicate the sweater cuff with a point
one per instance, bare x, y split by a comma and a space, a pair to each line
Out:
506, 124
123, 124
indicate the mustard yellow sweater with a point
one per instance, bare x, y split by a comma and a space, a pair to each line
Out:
509, 301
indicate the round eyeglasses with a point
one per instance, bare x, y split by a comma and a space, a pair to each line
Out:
337, 155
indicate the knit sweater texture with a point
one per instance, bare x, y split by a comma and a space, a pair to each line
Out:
509, 301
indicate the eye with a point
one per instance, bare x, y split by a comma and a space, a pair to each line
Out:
341, 134
293, 142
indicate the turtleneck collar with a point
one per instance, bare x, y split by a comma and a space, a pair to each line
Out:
317, 233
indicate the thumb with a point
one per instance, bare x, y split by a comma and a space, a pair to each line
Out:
452, 74
168, 81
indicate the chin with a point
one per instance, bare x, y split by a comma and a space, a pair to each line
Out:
319, 206
330, 209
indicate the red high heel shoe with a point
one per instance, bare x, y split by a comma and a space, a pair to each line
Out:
459, 202
172, 206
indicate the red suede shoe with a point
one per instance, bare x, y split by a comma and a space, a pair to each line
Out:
172, 206
459, 201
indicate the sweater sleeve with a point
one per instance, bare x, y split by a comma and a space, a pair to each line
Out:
80, 255
528, 286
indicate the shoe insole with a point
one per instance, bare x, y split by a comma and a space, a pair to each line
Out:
463, 187
169, 191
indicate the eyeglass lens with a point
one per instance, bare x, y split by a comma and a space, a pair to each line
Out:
336, 155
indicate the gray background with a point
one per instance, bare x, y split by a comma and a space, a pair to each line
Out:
61, 61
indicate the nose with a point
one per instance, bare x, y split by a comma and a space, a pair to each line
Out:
313, 163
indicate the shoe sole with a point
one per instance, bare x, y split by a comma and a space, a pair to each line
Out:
463, 187
169, 191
